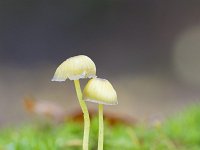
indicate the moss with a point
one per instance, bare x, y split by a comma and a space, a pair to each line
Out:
180, 132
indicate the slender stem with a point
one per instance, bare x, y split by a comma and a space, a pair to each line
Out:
100, 140
85, 115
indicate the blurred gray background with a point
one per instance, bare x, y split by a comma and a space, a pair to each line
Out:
149, 50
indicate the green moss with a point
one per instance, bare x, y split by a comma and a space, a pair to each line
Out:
182, 132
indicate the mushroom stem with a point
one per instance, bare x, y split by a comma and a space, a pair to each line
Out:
85, 115
101, 126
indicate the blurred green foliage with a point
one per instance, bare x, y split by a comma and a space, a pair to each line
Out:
181, 132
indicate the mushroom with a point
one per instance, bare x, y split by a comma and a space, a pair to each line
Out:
75, 68
102, 92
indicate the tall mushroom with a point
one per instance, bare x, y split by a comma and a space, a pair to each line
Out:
75, 68
102, 92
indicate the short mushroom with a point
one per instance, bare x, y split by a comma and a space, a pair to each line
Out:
102, 92
75, 68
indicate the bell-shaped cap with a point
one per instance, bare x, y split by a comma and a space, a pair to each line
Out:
75, 68
100, 91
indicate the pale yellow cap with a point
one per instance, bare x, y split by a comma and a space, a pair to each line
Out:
75, 68
100, 91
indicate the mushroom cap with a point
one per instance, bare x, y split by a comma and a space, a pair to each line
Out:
75, 68
100, 91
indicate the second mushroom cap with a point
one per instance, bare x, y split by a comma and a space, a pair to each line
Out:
100, 91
